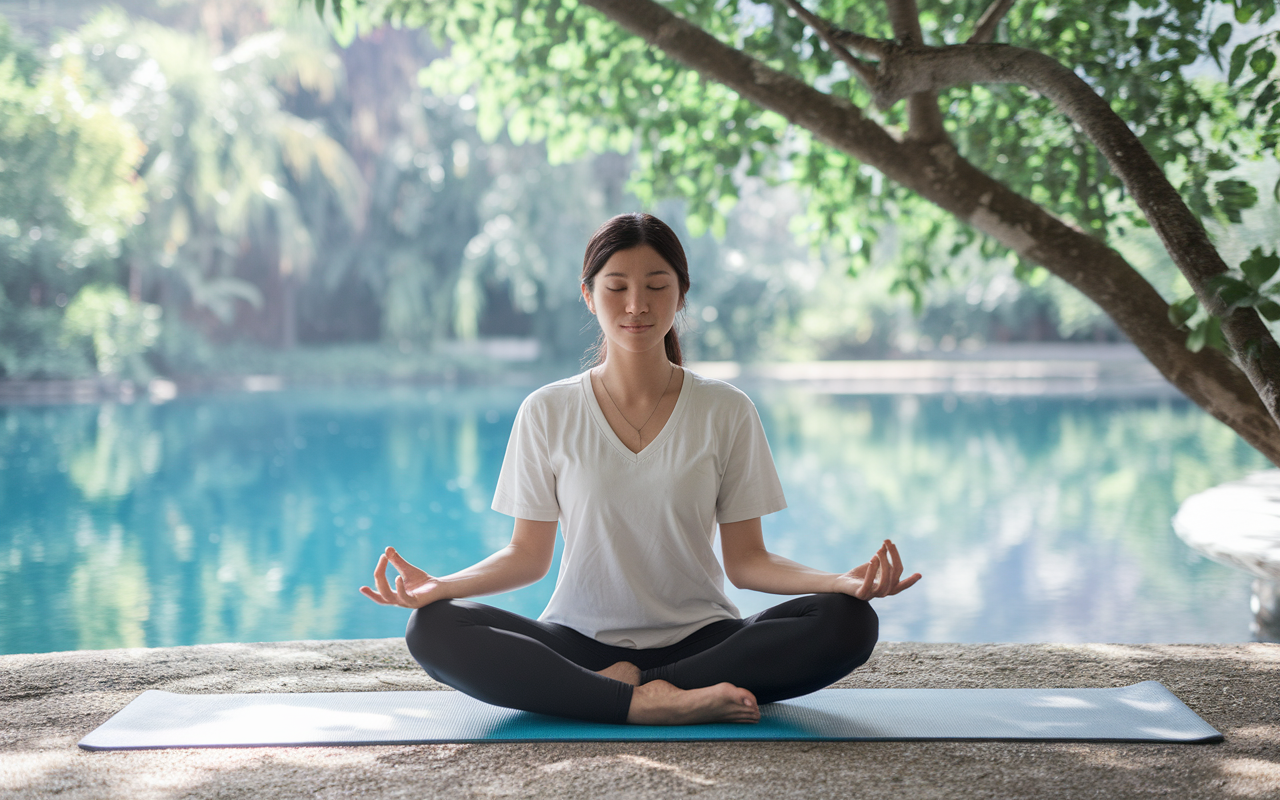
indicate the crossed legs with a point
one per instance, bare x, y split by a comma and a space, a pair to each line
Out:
719, 672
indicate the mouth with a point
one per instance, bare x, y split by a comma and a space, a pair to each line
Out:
635, 328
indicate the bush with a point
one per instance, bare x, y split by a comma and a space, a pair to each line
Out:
117, 330
31, 345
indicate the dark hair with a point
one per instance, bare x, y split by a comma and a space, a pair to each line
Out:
625, 232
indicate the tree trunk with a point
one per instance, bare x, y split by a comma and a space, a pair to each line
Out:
938, 173
907, 71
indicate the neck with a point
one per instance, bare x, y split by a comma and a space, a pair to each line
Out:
637, 375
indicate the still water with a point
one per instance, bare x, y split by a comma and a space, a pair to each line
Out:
255, 517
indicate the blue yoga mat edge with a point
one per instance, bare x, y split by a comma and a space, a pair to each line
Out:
823, 716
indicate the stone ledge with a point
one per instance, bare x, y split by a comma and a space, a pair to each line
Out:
1236, 523
50, 700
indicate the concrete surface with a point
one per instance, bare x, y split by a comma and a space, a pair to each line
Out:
48, 701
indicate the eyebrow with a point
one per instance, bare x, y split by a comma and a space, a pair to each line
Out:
647, 274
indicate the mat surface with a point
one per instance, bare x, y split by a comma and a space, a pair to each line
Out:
1144, 712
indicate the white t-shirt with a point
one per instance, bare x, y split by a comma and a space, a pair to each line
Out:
638, 568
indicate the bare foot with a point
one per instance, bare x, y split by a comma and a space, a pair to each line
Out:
661, 703
623, 671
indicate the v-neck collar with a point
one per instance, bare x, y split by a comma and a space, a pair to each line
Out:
597, 413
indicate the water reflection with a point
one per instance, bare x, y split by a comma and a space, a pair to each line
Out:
1033, 520
255, 517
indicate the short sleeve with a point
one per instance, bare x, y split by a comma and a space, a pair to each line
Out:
527, 484
749, 486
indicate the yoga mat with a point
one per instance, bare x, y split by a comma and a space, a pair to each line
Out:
1144, 712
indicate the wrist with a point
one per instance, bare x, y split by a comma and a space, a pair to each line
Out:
446, 589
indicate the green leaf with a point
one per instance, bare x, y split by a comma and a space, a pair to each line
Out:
1269, 309
1216, 42
1262, 62
1234, 196
1214, 337
1183, 310
1218, 162
1238, 56
1260, 267
1229, 290
1197, 337
1207, 334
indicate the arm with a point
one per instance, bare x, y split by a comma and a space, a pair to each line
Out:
520, 563
749, 565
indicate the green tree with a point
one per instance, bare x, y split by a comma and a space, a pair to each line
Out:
68, 195
231, 172
1086, 122
117, 330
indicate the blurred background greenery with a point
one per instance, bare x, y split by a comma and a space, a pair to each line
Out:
193, 187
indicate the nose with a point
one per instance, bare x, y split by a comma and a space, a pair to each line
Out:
637, 301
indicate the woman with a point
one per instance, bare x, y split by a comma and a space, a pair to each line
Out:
638, 460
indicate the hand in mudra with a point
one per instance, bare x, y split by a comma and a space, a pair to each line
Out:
413, 589
879, 577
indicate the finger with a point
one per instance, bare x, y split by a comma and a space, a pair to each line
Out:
867, 590
372, 595
402, 566
397, 561
402, 594
907, 584
897, 562
886, 582
380, 581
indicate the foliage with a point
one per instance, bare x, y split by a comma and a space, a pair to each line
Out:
1246, 287
227, 165
291, 187
1252, 71
117, 329
31, 344
68, 188
547, 69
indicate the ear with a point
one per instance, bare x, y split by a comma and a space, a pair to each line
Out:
586, 296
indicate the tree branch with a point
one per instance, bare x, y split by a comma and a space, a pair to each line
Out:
831, 118
924, 118
860, 68
908, 71
941, 176
990, 19
866, 45
904, 19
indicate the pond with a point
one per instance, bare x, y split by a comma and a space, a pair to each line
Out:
255, 517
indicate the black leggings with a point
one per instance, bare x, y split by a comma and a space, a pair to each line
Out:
508, 660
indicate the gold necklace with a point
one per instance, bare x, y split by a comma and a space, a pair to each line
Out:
639, 436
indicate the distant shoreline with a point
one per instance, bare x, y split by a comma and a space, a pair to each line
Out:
1033, 369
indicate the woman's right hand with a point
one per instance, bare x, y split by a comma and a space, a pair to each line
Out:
413, 589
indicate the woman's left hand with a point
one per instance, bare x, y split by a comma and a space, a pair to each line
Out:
879, 577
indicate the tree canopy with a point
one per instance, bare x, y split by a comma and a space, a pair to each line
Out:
68, 193
1040, 129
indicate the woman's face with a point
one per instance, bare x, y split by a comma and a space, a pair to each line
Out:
636, 298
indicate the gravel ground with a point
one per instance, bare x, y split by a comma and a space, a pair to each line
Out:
49, 701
